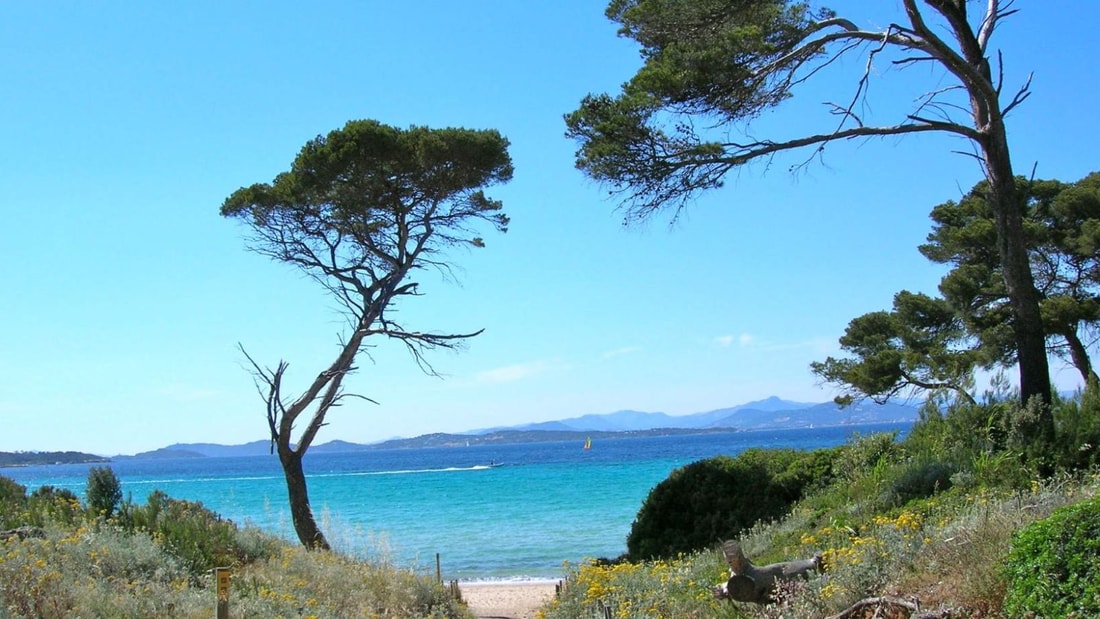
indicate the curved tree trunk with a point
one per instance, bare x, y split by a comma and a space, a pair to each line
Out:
1008, 211
1079, 355
302, 515
1027, 322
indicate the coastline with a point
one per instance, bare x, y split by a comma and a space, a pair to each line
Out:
489, 599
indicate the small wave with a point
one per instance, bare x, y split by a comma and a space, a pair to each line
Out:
511, 580
449, 469
191, 480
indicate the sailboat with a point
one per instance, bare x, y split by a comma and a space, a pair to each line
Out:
588, 443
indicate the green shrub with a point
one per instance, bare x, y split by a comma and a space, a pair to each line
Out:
867, 455
717, 498
1052, 567
48, 505
920, 480
1077, 424
104, 492
13, 503
199, 538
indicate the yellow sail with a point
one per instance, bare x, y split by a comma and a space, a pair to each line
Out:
588, 443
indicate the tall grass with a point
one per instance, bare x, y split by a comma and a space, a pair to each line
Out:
156, 560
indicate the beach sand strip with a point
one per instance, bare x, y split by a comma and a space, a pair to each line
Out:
511, 600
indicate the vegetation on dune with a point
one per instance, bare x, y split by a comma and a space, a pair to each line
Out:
60, 558
719, 497
953, 519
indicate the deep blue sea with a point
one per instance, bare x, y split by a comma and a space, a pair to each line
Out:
544, 504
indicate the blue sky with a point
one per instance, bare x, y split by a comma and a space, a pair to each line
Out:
126, 124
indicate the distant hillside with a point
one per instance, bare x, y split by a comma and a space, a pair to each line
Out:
31, 458
769, 414
208, 450
772, 413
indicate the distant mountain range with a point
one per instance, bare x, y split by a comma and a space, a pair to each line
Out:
770, 414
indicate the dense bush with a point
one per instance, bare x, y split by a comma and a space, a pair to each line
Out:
104, 492
1077, 424
199, 538
1052, 568
13, 502
48, 505
717, 498
919, 480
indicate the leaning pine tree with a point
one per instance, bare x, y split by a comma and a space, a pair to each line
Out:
359, 210
712, 67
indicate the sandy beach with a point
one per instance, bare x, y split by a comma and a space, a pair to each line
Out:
511, 600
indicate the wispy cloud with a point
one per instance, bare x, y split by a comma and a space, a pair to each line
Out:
743, 340
618, 352
517, 372
820, 345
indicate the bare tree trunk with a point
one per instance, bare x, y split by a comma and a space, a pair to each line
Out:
1027, 323
302, 515
1007, 206
1079, 355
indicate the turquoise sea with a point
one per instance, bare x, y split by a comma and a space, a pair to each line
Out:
541, 505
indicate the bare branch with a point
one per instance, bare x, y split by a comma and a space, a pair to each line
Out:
1021, 96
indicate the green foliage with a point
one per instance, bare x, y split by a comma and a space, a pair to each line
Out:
920, 345
1061, 227
919, 480
1052, 568
13, 501
724, 61
48, 505
103, 492
101, 570
1077, 426
866, 456
717, 498
197, 537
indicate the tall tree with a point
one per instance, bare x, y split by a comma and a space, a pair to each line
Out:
359, 210
935, 344
1062, 231
722, 63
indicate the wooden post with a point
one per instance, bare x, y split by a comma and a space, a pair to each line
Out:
438, 570
221, 579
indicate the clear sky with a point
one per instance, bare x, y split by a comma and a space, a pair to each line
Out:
124, 294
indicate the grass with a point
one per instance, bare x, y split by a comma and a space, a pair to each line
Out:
156, 561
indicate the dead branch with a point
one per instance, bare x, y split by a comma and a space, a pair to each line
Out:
892, 605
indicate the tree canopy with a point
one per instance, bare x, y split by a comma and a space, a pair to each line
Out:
360, 209
934, 344
1062, 228
711, 67
922, 344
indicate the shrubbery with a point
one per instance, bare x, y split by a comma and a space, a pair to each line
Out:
717, 498
154, 560
198, 537
13, 503
104, 491
1053, 569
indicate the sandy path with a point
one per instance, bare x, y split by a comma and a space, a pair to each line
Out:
490, 600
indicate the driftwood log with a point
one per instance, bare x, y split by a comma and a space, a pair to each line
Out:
756, 584
22, 533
